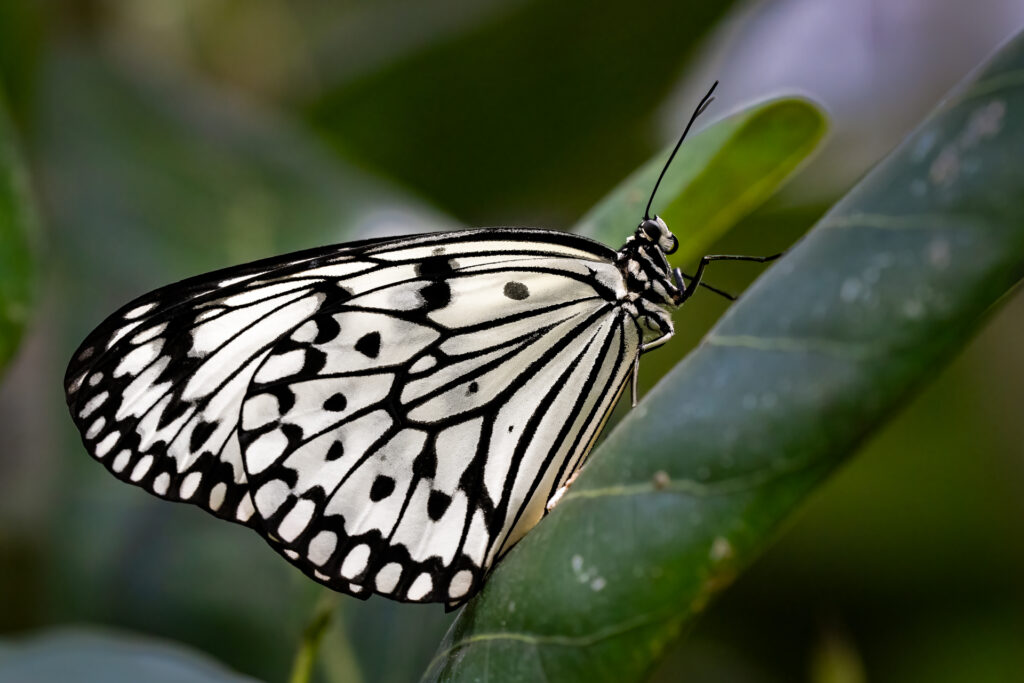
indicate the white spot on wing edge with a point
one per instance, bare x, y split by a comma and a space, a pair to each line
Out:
161, 484
217, 494
420, 587
460, 585
121, 461
139, 311
190, 484
387, 577
270, 496
141, 467
321, 547
356, 561
245, 509
76, 383
95, 428
297, 519
104, 446
93, 403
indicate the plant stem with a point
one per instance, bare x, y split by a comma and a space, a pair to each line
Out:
323, 612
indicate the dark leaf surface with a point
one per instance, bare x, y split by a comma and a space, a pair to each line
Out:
696, 481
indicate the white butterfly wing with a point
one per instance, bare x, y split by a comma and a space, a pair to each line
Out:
396, 413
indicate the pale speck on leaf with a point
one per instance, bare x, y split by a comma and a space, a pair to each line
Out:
939, 253
721, 549
850, 290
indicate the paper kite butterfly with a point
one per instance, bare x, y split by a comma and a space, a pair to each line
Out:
391, 415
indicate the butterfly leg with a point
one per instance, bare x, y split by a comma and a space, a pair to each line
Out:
634, 393
633, 381
695, 281
678, 275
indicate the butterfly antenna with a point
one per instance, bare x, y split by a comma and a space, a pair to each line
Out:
696, 112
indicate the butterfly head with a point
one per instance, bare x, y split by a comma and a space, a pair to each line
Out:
655, 232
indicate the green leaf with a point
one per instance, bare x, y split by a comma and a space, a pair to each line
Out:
696, 481
17, 225
719, 176
96, 657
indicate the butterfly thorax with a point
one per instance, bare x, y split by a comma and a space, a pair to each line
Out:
651, 294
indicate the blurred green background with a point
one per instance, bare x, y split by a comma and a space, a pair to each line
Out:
169, 137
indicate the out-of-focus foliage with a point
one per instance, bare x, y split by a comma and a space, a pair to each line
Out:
536, 110
101, 658
17, 228
168, 137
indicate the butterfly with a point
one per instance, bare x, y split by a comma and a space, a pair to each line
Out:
391, 415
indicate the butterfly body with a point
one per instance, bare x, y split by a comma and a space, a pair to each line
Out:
391, 415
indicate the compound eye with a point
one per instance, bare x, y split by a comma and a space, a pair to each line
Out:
651, 229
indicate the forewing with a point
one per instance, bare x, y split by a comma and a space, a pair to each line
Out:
399, 411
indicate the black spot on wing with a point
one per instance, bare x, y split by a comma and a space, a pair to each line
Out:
383, 486
438, 504
436, 295
335, 451
336, 403
200, 434
369, 345
516, 290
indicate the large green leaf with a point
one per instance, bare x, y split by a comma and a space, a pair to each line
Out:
822, 350
17, 224
720, 175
